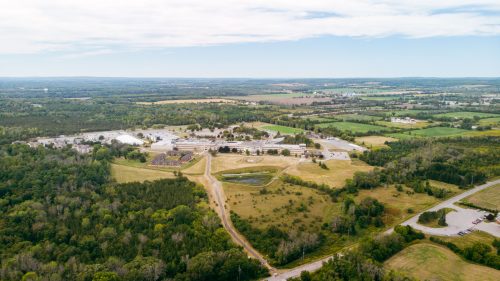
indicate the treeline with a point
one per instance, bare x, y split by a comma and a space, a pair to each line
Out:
281, 246
478, 252
52, 117
460, 161
63, 219
364, 263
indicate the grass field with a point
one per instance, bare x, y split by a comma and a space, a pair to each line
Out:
381, 98
431, 132
187, 101
283, 129
427, 261
339, 171
488, 198
278, 206
406, 112
398, 203
493, 133
417, 125
353, 127
465, 114
233, 161
469, 239
495, 122
123, 174
374, 141
356, 117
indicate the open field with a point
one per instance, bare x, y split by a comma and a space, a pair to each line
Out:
197, 168
431, 132
374, 141
488, 198
381, 98
233, 161
353, 127
427, 261
418, 124
465, 114
285, 98
355, 117
187, 101
339, 171
398, 203
123, 174
283, 129
278, 205
406, 112
469, 239
495, 122
493, 133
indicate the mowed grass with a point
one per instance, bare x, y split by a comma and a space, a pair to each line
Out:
494, 122
336, 175
431, 132
487, 198
468, 240
374, 141
417, 125
427, 261
124, 174
397, 203
356, 117
466, 114
353, 127
283, 129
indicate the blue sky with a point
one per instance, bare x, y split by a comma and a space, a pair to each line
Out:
239, 38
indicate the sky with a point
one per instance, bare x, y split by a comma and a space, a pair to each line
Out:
255, 39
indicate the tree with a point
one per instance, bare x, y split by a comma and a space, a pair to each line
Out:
285, 152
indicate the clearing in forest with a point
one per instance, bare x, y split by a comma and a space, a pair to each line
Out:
123, 174
353, 127
488, 198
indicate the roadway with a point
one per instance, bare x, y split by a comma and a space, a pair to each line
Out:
217, 191
313, 266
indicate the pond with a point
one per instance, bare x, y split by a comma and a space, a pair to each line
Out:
260, 178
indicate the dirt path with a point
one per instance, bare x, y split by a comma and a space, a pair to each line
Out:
215, 187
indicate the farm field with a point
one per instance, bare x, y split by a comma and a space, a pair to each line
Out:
353, 127
466, 114
339, 171
381, 98
282, 129
433, 132
495, 122
285, 98
398, 203
406, 112
356, 117
488, 198
187, 101
427, 261
374, 141
418, 124
124, 174
493, 133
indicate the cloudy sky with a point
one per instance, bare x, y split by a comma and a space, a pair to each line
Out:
254, 38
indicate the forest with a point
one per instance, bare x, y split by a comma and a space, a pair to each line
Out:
63, 218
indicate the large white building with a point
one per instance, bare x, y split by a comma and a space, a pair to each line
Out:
128, 139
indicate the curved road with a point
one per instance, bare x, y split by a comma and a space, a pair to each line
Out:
313, 266
218, 195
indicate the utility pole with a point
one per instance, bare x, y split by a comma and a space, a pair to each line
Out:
239, 272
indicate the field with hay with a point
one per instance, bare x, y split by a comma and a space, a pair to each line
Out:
427, 261
353, 127
124, 174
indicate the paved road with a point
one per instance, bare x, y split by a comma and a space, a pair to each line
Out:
459, 220
218, 194
313, 266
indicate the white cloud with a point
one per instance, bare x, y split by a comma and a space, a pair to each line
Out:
98, 26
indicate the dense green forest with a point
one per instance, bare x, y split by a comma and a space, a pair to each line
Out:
62, 218
460, 161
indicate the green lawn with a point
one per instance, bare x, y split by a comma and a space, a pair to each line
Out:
283, 129
431, 132
356, 117
353, 127
490, 122
466, 114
